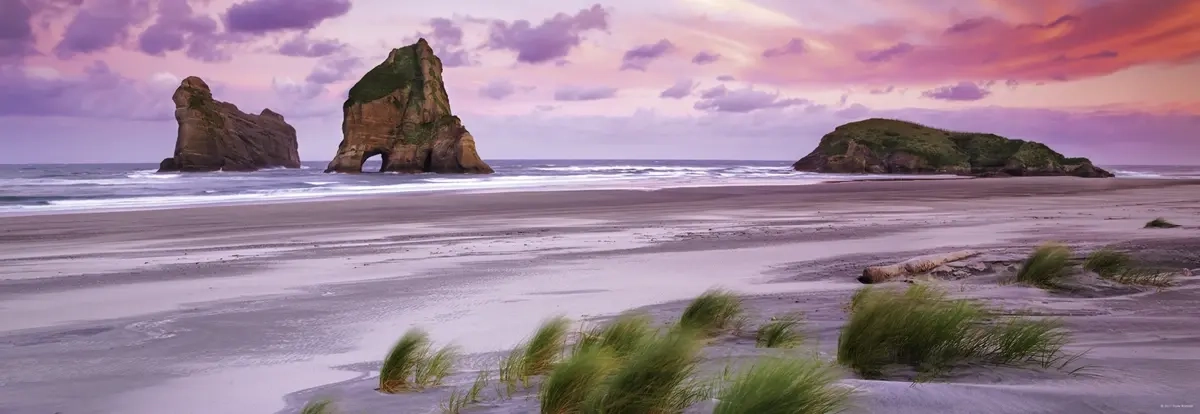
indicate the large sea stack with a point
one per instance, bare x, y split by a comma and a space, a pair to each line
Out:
399, 111
888, 146
216, 136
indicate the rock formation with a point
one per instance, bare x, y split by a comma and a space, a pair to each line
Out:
216, 136
886, 146
399, 110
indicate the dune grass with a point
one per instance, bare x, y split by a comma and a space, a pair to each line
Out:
459, 399
1046, 267
567, 388
323, 406
1107, 262
712, 312
402, 361
784, 386
781, 332
511, 375
434, 367
1160, 223
545, 347
922, 329
621, 336
656, 378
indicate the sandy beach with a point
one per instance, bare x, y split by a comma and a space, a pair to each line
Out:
258, 308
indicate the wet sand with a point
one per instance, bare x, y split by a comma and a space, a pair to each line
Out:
254, 309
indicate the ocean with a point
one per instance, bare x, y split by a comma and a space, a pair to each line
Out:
28, 189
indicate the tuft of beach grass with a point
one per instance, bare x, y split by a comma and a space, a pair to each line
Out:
545, 346
712, 312
922, 329
784, 386
322, 406
780, 332
1046, 267
434, 367
402, 361
621, 336
1160, 223
459, 399
656, 378
568, 387
1107, 262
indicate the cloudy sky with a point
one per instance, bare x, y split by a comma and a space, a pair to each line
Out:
1115, 80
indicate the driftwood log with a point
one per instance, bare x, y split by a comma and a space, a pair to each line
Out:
916, 265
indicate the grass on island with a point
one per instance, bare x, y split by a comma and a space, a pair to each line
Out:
410, 364
712, 312
1119, 267
922, 329
1160, 223
1046, 267
323, 406
782, 332
784, 386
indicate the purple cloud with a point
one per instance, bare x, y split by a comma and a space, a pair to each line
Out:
640, 57
726, 78
16, 33
584, 93
743, 100
101, 25
303, 46
446, 39
883, 91
854, 111
679, 90
963, 91
884, 55
796, 46
1103, 54
714, 92
97, 93
968, 25
332, 69
264, 16
1012, 83
498, 89
177, 27
549, 41
705, 57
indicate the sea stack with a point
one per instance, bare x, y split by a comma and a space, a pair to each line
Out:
888, 146
400, 111
216, 136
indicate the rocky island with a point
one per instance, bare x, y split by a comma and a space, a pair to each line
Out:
400, 111
216, 136
888, 146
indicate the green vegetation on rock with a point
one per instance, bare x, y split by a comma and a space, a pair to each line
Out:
893, 146
402, 70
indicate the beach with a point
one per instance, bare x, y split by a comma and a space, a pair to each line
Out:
257, 308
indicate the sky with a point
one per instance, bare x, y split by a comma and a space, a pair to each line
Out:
1114, 80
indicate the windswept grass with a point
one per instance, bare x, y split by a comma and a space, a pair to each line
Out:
546, 346
1107, 262
712, 312
402, 361
782, 332
459, 399
922, 329
1160, 223
323, 406
656, 378
433, 368
1046, 267
622, 336
784, 386
568, 387
1145, 277
511, 374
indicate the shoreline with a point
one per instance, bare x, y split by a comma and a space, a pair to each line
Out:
163, 304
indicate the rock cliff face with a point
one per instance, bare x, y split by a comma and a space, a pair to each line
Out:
399, 111
886, 146
216, 136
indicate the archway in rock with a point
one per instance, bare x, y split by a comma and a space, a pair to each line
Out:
374, 162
